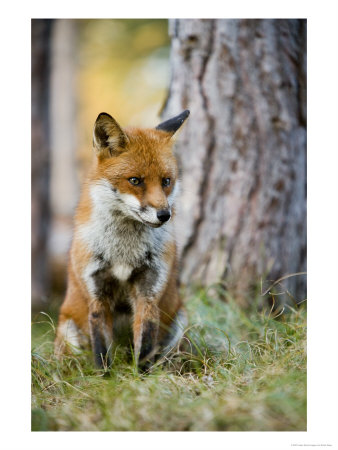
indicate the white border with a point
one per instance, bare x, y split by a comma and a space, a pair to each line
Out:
322, 223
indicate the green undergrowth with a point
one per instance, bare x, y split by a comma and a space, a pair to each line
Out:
237, 370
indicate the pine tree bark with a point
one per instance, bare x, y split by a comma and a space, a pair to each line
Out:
41, 32
242, 151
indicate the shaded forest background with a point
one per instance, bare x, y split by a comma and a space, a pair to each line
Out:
243, 150
79, 69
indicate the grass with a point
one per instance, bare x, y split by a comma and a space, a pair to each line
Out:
240, 370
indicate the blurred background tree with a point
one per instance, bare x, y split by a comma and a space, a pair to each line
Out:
243, 210
40, 148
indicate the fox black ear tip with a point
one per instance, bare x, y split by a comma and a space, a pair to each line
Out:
184, 115
173, 124
104, 114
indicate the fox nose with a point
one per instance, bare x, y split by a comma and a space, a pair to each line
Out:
163, 215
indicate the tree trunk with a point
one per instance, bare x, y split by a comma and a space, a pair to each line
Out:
41, 32
64, 178
243, 150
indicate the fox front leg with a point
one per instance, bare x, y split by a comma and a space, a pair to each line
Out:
101, 333
145, 329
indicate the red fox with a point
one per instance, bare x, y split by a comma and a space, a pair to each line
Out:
122, 273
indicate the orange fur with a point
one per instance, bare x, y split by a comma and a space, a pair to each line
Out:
102, 285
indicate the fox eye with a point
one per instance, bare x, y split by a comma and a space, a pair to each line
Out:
135, 181
165, 182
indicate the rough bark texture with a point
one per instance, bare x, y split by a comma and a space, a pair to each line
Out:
41, 31
243, 150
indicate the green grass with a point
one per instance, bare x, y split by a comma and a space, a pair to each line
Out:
240, 370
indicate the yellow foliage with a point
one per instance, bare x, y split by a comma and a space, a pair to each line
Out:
123, 69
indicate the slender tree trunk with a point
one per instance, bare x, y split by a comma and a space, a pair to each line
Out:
64, 180
41, 32
243, 150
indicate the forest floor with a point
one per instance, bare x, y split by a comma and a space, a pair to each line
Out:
240, 370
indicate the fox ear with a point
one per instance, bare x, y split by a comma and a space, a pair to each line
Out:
172, 125
108, 136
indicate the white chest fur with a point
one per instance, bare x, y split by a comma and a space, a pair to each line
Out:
121, 271
121, 242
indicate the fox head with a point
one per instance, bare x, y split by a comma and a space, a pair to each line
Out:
135, 169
